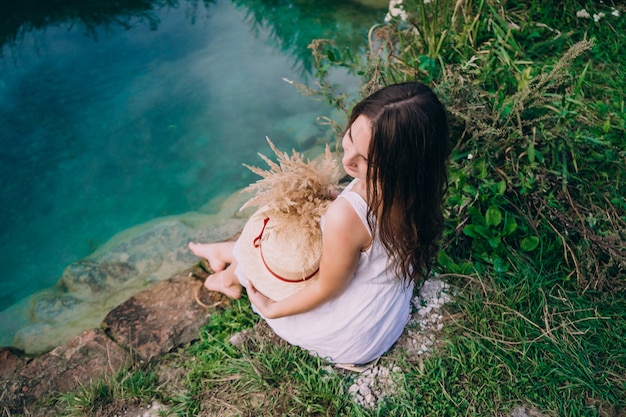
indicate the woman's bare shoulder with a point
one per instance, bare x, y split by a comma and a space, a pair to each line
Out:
342, 221
340, 211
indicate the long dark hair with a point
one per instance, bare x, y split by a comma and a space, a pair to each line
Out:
407, 174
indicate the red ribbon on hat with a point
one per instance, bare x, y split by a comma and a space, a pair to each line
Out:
257, 244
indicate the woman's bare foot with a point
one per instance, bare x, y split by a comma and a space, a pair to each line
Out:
225, 282
212, 252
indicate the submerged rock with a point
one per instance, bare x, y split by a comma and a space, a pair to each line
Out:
48, 307
89, 277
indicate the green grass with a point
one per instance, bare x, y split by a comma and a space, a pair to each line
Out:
539, 343
535, 240
137, 386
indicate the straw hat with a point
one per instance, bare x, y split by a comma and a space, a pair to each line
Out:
280, 246
277, 255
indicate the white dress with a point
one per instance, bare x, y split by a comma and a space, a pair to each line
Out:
365, 320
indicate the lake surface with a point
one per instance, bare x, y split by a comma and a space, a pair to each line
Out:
112, 117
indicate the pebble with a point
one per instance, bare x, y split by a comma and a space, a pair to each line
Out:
364, 390
372, 385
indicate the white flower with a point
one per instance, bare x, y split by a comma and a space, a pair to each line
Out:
396, 10
597, 17
583, 14
615, 12
470, 156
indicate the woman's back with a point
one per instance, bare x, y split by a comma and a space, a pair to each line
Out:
365, 320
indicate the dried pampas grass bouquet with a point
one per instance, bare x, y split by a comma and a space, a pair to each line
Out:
281, 244
293, 186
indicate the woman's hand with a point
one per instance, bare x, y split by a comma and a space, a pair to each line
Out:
344, 237
264, 305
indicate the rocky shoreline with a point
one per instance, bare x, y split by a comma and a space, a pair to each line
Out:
126, 304
161, 311
153, 322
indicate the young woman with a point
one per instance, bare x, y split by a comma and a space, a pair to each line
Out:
379, 235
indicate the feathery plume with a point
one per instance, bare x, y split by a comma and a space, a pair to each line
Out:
293, 186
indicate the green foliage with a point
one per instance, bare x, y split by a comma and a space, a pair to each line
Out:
538, 161
524, 341
542, 343
213, 349
510, 340
284, 379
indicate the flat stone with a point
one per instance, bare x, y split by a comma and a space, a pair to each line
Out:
160, 318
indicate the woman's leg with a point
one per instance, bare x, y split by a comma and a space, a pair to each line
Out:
222, 261
225, 281
218, 254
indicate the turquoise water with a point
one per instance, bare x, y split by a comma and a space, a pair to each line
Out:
111, 118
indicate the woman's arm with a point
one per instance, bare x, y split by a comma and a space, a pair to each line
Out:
344, 237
